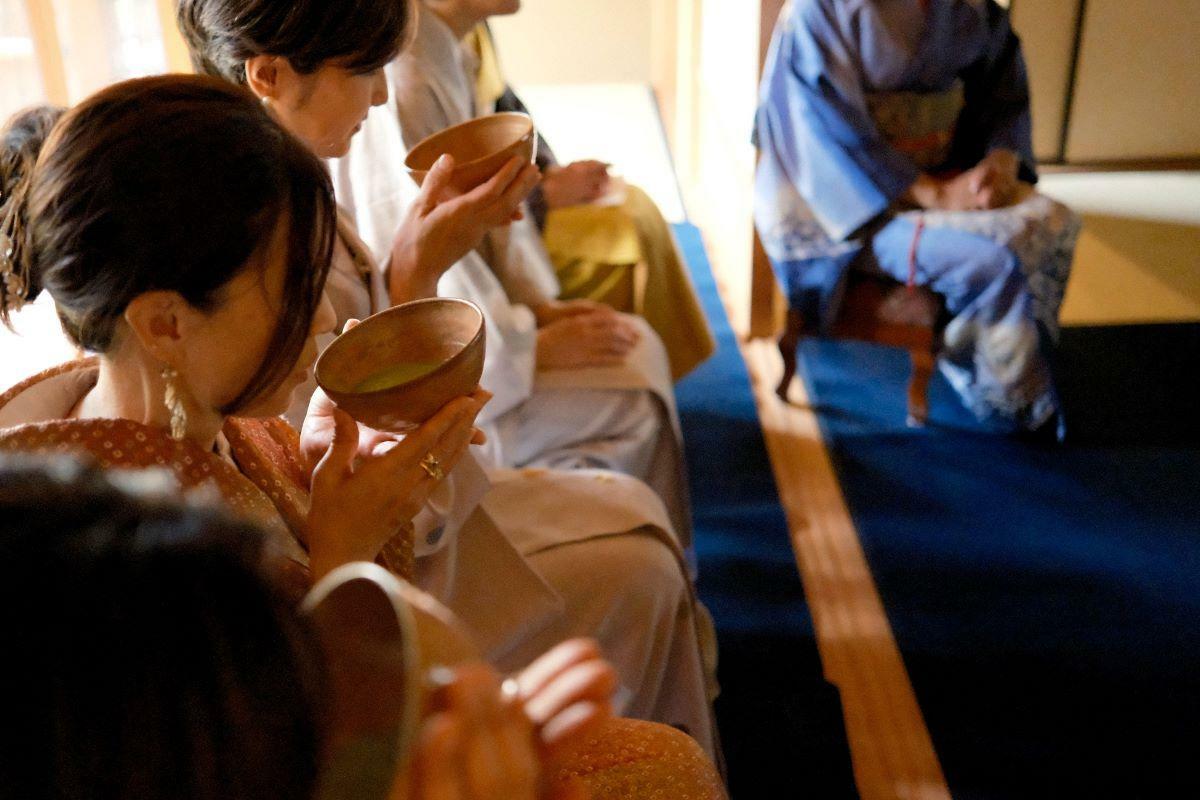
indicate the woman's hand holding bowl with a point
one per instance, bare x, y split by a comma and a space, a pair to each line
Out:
442, 226
367, 484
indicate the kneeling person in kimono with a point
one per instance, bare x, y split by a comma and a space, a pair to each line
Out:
895, 139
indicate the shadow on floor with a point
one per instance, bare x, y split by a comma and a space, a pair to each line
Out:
1044, 597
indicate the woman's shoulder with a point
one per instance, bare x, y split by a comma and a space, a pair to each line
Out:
57, 379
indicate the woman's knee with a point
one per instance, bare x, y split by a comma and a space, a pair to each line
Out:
643, 569
636, 573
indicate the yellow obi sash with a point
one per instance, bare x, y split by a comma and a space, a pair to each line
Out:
489, 82
603, 234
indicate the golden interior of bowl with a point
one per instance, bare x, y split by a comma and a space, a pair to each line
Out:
441, 336
480, 147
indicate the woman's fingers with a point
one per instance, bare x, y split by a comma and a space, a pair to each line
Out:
448, 417
497, 757
519, 189
514, 742
496, 186
592, 681
450, 449
498, 200
343, 449
473, 697
437, 761
567, 692
554, 662
572, 724
485, 773
437, 183
443, 437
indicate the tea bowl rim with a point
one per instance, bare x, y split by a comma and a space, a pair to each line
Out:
440, 369
414, 170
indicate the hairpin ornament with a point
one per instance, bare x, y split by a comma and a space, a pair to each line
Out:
14, 283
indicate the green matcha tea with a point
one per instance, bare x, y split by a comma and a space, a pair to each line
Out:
395, 375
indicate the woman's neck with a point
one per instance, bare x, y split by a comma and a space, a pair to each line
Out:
458, 20
136, 391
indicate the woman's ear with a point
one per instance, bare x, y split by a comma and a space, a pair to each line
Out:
262, 75
158, 321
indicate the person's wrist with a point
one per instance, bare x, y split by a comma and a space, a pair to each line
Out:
406, 289
334, 541
545, 313
551, 196
927, 192
1005, 160
406, 279
325, 558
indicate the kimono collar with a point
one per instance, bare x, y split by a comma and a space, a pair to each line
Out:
33, 419
435, 44
364, 263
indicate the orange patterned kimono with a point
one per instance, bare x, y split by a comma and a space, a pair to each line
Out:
258, 473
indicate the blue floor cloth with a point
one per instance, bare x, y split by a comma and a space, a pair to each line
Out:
781, 723
1046, 598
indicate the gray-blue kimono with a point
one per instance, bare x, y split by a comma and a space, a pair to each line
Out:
857, 98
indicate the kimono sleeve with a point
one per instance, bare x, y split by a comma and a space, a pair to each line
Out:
813, 120
511, 333
996, 92
420, 112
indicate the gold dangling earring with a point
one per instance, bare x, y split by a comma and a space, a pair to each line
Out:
174, 404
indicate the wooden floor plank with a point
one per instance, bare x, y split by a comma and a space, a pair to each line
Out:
893, 754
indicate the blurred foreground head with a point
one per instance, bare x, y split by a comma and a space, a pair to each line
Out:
147, 657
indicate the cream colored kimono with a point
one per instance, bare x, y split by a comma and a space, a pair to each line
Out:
528, 558
621, 418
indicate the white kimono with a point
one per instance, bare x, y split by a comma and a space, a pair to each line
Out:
528, 558
620, 418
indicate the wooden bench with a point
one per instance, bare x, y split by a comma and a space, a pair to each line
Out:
882, 311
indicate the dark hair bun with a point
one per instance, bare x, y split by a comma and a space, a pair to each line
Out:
21, 142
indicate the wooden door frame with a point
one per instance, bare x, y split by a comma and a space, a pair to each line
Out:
43, 28
174, 48
678, 32
766, 301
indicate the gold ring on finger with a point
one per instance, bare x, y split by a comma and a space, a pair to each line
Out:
432, 467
